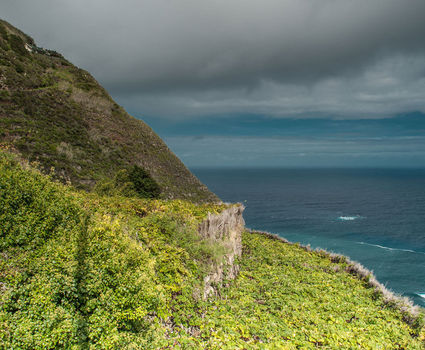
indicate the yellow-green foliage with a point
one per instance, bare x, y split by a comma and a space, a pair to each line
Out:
77, 270
134, 182
288, 298
81, 271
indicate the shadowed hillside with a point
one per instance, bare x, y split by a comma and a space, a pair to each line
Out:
58, 115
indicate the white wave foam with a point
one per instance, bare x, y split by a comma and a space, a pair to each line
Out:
349, 218
422, 295
389, 248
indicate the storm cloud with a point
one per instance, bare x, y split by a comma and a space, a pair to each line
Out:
296, 58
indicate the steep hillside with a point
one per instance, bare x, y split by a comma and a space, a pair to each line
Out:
58, 115
100, 270
82, 271
78, 270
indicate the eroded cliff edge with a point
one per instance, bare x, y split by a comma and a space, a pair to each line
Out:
226, 229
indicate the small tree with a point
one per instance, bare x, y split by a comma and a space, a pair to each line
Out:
133, 182
143, 183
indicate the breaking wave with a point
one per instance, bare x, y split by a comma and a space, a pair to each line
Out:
389, 248
349, 218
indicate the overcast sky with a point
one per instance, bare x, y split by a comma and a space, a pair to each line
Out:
180, 60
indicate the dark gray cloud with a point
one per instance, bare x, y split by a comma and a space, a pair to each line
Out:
278, 57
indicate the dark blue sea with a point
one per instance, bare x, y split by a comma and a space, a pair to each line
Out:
374, 216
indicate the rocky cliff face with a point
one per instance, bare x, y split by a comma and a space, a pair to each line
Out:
225, 228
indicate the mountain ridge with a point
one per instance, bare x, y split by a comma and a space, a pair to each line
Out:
58, 115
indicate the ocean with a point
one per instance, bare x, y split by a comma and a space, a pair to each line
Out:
374, 216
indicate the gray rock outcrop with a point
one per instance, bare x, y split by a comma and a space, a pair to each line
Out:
225, 228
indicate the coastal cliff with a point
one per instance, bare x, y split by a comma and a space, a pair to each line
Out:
94, 270
78, 270
226, 229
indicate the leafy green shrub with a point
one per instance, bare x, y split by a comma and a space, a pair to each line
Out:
118, 186
3, 31
135, 182
143, 183
4, 94
30, 211
18, 45
288, 298
19, 67
4, 45
82, 271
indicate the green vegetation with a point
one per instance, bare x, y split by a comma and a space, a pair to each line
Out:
58, 115
123, 266
287, 297
78, 270
135, 182
3, 31
143, 184
18, 45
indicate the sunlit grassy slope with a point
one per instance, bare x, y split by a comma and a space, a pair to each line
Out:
78, 271
287, 297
